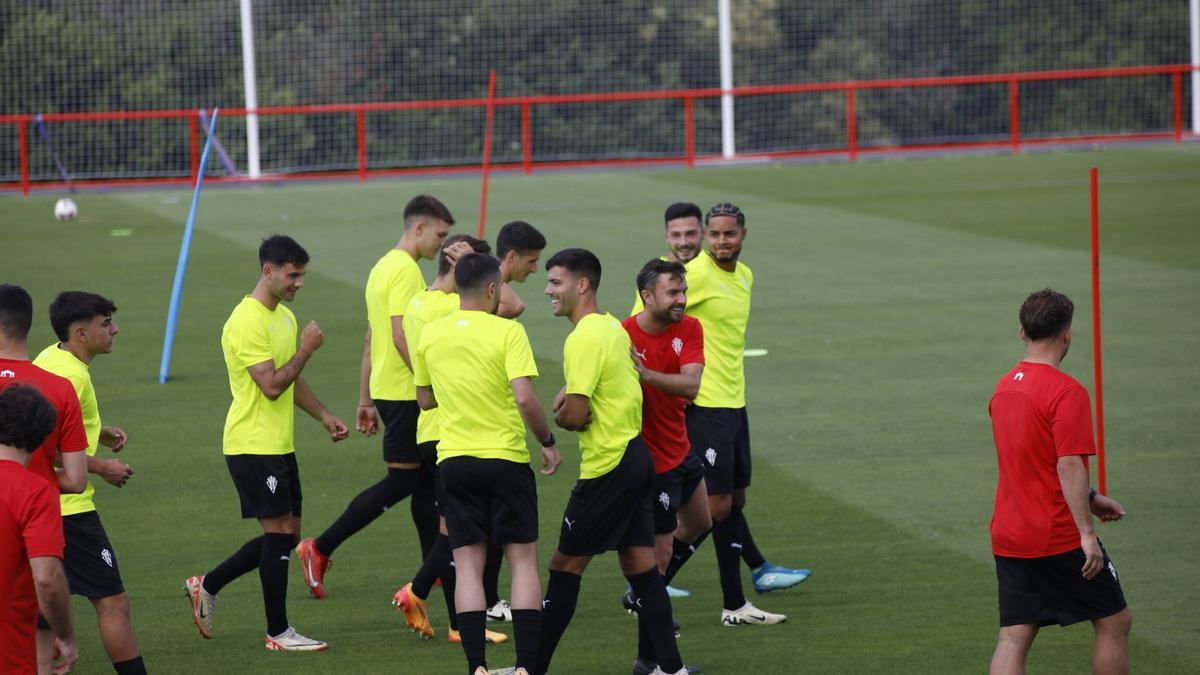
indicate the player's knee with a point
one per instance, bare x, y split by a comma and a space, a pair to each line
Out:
115, 607
718, 509
1115, 625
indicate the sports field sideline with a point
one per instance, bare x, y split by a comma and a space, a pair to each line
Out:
886, 299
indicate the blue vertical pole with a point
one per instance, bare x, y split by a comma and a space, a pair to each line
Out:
184, 248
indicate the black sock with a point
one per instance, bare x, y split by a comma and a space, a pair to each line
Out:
273, 572
729, 563
645, 644
655, 614
423, 506
471, 627
367, 506
431, 567
244, 561
132, 666
527, 626
491, 574
562, 592
449, 577
750, 553
681, 553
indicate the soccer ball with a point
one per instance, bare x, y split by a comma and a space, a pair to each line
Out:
65, 209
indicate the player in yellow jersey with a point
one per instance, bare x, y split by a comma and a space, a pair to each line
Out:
386, 392
264, 366
611, 505
477, 370
85, 329
440, 299
683, 233
719, 288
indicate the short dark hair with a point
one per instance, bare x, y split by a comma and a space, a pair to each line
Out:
518, 236
650, 271
16, 312
682, 210
726, 209
279, 250
426, 206
73, 306
578, 261
26, 417
477, 245
1046, 313
474, 270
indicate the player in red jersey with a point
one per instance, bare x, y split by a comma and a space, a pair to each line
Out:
668, 353
68, 437
31, 538
1050, 565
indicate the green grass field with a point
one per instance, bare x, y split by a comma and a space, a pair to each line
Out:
887, 297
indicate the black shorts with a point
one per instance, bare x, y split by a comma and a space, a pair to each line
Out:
267, 485
488, 500
1045, 591
721, 440
612, 511
673, 489
399, 430
429, 469
88, 557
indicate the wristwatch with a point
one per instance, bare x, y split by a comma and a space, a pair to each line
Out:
549, 442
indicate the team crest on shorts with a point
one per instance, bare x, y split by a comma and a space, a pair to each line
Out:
272, 483
711, 455
106, 556
665, 500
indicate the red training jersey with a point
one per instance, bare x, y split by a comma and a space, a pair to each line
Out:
68, 434
664, 427
1039, 414
30, 527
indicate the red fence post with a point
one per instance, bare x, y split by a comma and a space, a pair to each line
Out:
23, 141
486, 165
360, 120
194, 135
689, 132
852, 122
1177, 86
1096, 362
1014, 115
526, 140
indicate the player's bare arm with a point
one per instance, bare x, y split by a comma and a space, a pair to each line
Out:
399, 341
113, 471
274, 381
1107, 509
426, 400
511, 305
1073, 477
54, 603
574, 414
113, 438
366, 418
307, 401
685, 383
535, 420
72, 472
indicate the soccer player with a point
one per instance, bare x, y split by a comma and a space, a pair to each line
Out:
68, 441
477, 370
1050, 565
85, 329
719, 287
264, 366
518, 245
386, 391
31, 538
440, 299
683, 234
610, 506
668, 350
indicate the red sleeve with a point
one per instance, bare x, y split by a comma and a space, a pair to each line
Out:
71, 435
693, 344
42, 524
1071, 422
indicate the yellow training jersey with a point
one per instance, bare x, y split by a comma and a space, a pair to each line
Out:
721, 301
597, 364
469, 357
64, 364
423, 308
256, 425
393, 282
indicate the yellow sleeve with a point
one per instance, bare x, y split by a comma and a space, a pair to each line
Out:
249, 343
420, 370
518, 355
407, 284
581, 364
637, 305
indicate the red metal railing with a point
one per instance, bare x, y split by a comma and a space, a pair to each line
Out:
686, 98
